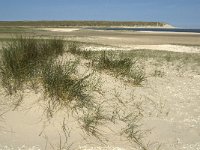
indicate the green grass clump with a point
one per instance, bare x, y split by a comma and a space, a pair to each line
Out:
74, 47
119, 66
86, 54
26, 62
23, 57
50, 48
62, 87
138, 76
115, 62
17, 62
122, 66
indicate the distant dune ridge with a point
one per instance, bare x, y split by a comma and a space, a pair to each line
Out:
85, 23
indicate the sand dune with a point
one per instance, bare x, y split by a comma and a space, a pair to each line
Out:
168, 101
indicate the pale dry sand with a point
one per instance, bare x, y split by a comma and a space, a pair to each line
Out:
172, 33
60, 29
172, 48
166, 47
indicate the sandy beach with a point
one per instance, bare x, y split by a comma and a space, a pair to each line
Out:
168, 99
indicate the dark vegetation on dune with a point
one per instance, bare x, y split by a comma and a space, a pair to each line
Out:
78, 23
112, 62
23, 58
29, 63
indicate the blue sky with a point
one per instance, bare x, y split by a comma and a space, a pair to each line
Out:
181, 13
